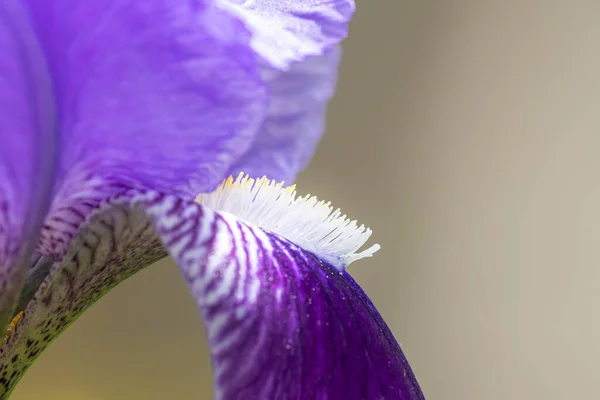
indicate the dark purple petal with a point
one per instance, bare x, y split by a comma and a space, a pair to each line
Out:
295, 119
26, 148
284, 32
161, 94
281, 323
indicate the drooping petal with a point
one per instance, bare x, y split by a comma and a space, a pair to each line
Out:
295, 118
161, 94
282, 323
113, 245
26, 148
284, 32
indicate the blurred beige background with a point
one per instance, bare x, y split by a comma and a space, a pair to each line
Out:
467, 135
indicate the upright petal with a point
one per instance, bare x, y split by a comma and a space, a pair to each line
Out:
162, 94
284, 32
26, 148
295, 118
298, 42
281, 322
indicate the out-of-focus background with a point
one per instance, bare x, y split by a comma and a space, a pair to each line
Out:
467, 135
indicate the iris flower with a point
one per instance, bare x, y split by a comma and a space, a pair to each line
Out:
118, 121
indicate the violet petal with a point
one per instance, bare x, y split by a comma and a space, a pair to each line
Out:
281, 323
26, 148
295, 118
160, 94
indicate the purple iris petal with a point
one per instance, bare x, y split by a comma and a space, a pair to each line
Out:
287, 31
157, 94
26, 147
281, 323
164, 94
295, 118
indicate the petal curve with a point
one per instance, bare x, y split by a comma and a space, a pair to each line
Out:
284, 32
281, 323
112, 245
295, 118
26, 148
161, 94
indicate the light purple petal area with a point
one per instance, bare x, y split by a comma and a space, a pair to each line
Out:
26, 147
281, 323
160, 94
287, 31
295, 118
